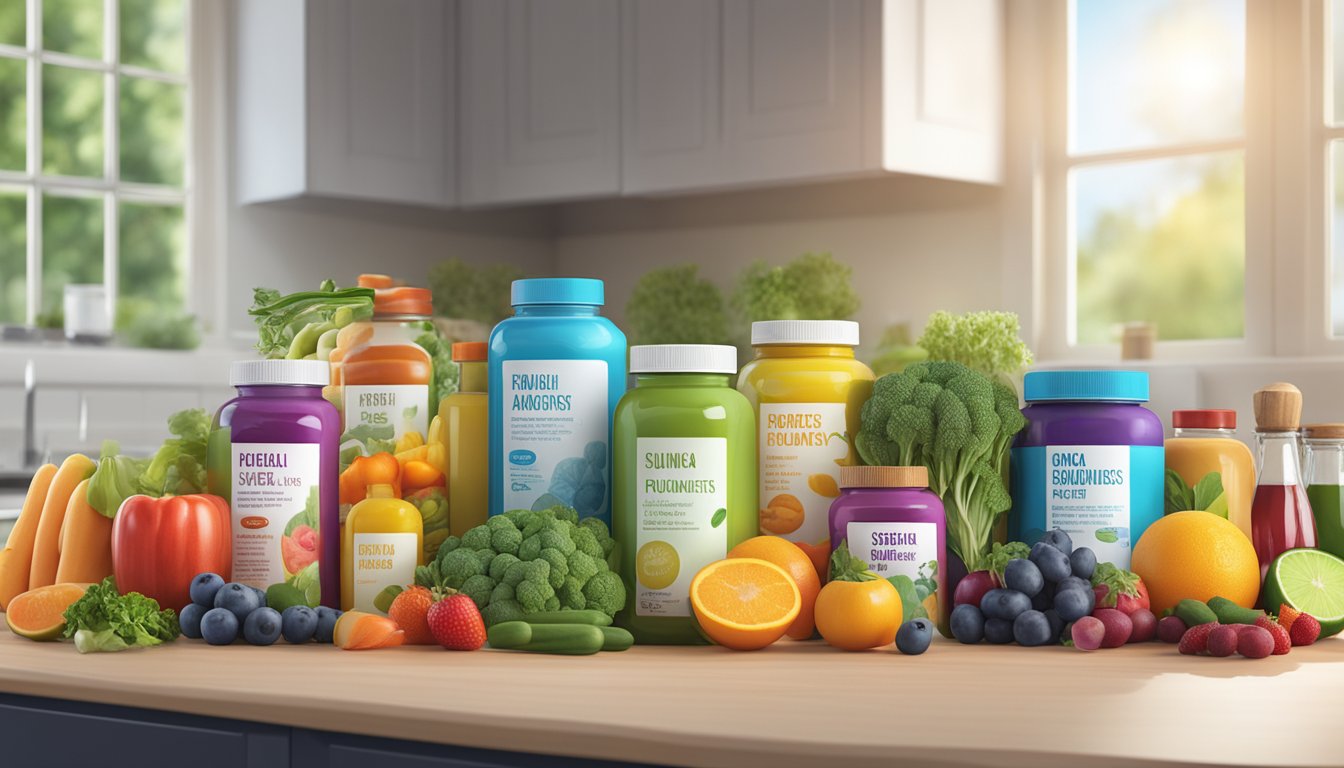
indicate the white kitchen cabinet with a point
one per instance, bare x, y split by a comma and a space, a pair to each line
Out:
346, 99
539, 100
724, 93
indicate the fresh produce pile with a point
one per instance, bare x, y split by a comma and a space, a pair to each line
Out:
1220, 628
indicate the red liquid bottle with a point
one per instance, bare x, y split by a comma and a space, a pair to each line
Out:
1281, 516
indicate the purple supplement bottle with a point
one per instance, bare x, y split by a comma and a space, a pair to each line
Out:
888, 518
273, 454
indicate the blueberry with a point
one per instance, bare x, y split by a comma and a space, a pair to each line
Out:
1059, 540
1024, 576
219, 626
999, 631
968, 624
1073, 582
298, 623
1074, 604
1004, 604
1056, 624
1042, 601
1031, 629
239, 599
262, 626
326, 623
1084, 562
190, 620
914, 636
1054, 564
204, 587
261, 595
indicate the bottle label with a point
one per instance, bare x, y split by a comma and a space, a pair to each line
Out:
276, 515
555, 432
906, 554
381, 560
802, 446
377, 415
681, 500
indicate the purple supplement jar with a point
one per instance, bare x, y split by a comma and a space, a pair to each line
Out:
888, 518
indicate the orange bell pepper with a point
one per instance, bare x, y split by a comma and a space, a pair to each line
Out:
364, 471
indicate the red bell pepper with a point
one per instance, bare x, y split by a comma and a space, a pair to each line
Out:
159, 545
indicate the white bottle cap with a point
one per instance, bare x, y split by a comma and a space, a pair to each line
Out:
683, 358
254, 373
821, 332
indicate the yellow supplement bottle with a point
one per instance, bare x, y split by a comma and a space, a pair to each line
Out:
466, 425
380, 547
808, 390
1204, 442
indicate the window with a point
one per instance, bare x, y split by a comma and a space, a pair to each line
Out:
93, 155
1333, 118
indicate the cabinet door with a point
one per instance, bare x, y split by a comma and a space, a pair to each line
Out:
794, 86
540, 87
381, 88
670, 95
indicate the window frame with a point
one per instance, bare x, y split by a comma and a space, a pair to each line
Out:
110, 188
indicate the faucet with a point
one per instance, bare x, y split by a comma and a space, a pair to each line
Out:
30, 454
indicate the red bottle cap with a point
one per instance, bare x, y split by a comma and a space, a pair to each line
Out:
1208, 418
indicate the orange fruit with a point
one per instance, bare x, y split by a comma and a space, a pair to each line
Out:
1198, 556
39, 614
798, 565
744, 603
820, 555
857, 615
410, 610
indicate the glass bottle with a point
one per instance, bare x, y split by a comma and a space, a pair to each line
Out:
1281, 516
1325, 484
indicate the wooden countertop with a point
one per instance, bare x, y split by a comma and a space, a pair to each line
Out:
793, 704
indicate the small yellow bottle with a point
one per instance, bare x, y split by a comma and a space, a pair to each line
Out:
380, 547
466, 419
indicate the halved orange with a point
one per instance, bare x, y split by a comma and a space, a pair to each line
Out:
744, 603
798, 564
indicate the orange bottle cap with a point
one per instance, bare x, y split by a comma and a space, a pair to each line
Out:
470, 352
390, 298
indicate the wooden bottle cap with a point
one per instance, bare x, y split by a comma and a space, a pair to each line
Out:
1278, 408
1324, 431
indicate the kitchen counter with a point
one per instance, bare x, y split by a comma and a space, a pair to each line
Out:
793, 704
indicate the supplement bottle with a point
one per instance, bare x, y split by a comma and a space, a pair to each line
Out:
273, 455
557, 368
1089, 461
888, 518
685, 450
1325, 484
385, 375
380, 548
808, 391
465, 418
1204, 442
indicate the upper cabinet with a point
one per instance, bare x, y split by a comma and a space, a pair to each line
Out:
540, 100
343, 98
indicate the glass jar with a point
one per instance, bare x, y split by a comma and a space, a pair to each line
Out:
1325, 481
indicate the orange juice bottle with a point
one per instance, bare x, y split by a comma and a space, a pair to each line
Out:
465, 415
385, 377
1204, 442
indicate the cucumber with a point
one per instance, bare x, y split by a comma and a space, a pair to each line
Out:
509, 635
1229, 612
570, 639
595, 618
1193, 612
616, 639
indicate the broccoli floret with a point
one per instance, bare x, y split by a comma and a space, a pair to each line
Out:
532, 595
605, 592
559, 566
556, 536
530, 549
585, 541
552, 603
477, 538
500, 564
537, 570
478, 588
571, 594
486, 557
568, 514
501, 592
458, 566
601, 532
516, 572
503, 610
583, 566
504, 535
448, 545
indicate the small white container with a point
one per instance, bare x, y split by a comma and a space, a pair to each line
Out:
86, 312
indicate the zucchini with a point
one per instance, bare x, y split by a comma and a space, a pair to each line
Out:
571, 639
616, 639
1229, 612
592, 617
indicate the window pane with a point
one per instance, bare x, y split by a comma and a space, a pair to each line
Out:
1337, 66
153, 34
72, 121
151, 268
151, 131
72, 248
13, 22
1337, 238
1154, 72
73, 26
13, 257
1162, 241
13, 114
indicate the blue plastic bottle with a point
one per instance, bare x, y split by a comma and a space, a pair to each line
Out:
557, 370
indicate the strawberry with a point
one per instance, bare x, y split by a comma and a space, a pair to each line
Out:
1305, 630
1282, 642
1119, 589
1196, 639
1287, 615
455, 622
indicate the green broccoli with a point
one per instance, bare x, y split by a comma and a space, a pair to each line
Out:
477, 538
532, 595
504, 535
959, 424
502, 610
530, 549
586, 541
605, 592
559, 566
988, 342
552, 604
459, 565
448, 545
557, 536
485, 557
515, 573
479, 589
501, 564
571, 594
600, 532
502, 592
583, 566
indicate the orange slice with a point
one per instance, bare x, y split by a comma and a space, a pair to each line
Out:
745, 603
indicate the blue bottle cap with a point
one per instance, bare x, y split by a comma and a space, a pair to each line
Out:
1097, 386
558, 290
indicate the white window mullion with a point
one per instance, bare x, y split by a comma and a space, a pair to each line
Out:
111, 153
34, 88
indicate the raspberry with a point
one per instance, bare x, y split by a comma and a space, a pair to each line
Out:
1305, 630
1282, 642
1196, 639
1287, 615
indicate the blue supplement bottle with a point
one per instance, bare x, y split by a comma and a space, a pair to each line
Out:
557, 370
1089, 461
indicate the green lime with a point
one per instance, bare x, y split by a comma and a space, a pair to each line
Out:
1311, 581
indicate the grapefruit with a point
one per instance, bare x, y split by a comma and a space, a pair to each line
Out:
38, 614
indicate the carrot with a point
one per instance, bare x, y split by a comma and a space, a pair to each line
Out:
17, 557
46, 552
86, 541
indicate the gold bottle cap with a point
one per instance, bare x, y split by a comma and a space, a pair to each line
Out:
884, 477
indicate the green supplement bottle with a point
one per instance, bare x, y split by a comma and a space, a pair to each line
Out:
684, 493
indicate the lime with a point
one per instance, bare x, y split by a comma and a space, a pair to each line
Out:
1311, 581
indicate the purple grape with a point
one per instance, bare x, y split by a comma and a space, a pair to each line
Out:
1088, 633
